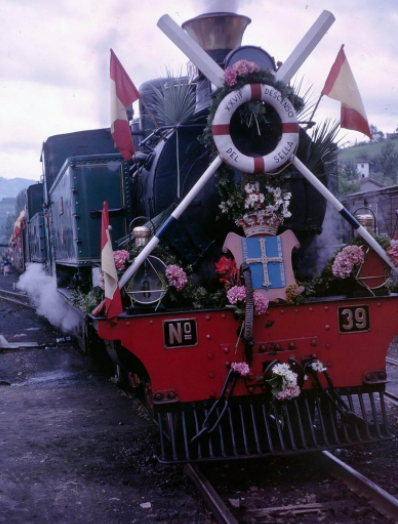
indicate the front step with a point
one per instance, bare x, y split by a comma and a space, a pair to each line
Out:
253, 427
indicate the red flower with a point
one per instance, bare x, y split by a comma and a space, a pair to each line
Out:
228, 271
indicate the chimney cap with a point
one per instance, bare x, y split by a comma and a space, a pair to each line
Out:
219, 30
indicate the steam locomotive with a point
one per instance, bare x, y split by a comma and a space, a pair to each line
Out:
179, 359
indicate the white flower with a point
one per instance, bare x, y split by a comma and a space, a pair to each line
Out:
277, 192
318, 366
291, 378
251, 188
281, 369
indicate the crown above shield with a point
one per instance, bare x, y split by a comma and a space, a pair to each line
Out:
259, 223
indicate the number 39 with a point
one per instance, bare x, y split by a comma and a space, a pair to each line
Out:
354, 319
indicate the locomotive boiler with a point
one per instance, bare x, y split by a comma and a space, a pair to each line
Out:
208, 371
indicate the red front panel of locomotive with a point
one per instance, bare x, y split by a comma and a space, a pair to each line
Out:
190, 353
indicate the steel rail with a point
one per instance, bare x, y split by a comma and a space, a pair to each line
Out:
16, 298
385, 503
209, 494
392, 361
391, 397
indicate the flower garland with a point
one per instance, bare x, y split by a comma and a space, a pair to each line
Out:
346, 260
337, 277
237, 297
284, 383
392, 252
176, 276
121, 257
283, 380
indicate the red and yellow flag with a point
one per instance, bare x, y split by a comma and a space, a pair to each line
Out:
341, 85
113, 299
123, 93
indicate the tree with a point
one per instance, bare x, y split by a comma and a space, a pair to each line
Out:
20, 202
349, 171
8, 227
377, 136
348, 179
388, 160
348, 186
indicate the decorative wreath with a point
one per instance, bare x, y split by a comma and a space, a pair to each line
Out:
230, 189
263, 76
286, 146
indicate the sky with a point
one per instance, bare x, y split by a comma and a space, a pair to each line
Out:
54, 60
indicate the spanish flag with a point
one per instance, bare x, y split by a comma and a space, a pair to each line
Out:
123, 94
341, 85
113, 299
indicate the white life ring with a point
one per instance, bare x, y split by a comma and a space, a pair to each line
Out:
221, 133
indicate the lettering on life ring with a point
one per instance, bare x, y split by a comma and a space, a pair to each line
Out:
221, 129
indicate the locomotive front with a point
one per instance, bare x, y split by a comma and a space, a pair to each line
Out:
235, 346
269, 373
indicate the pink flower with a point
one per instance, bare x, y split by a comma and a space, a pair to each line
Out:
261, 303
238, 294
120, 258
289, 393
240, 367
177, 276
392, 252
345, 261
244, 67
230, 77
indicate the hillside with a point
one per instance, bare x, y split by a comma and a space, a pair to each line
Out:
363, 152
10, 187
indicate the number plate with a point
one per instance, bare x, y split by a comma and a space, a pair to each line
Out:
354, 319
180, 333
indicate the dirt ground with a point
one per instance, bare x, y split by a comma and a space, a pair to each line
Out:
73, 447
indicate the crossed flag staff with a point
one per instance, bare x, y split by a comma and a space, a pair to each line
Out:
215, 75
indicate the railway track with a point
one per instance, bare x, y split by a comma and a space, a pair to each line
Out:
16, 298
372, 495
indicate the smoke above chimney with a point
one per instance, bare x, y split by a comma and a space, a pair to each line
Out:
222, 5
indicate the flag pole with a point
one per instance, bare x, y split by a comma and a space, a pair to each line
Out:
179, 210
314, 111
342, 210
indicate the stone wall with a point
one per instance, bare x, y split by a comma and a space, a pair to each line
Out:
384, 204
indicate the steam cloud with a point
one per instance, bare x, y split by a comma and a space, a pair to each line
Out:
331, 239
49, 304
230, 6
